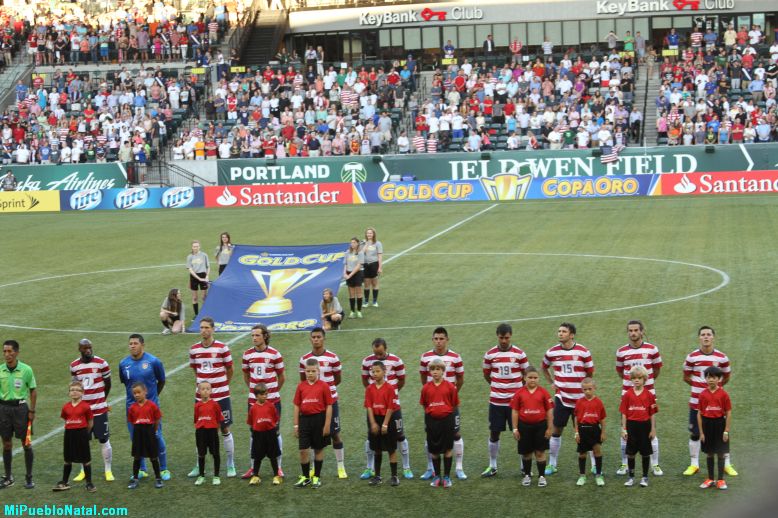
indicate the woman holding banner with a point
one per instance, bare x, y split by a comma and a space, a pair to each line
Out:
199, 269
224, 251
352, 273
331, 310
374, 251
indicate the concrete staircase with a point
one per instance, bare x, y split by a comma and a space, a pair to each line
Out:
266, 35
649, 92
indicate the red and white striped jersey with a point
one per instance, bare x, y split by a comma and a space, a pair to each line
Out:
646, 356
505, 369
453, 361
210, 364
92, 375
263, 367
395, 368
696, 362
329, 365
570, 367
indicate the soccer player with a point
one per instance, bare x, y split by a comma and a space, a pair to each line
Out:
313, 409
589, 425
454, 373
571, 362
693, 374
329, 372
381, 402
440, 399
145, 418
211, 361
713, 420
17, 410
263, 364
263, 420
95, 376
395, 376
638, 423
78, 420
147, 369
504, 366
638, 353
531, 419
208, 417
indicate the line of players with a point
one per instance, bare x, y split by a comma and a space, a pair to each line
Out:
565, 366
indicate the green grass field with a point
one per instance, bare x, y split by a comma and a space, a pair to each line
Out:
675, 263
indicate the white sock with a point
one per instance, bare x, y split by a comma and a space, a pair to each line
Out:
591, 458
494, 452
107, 455
339, 454
459, 452
694, 452
229, 448
281, 449
430, 467
553, 451
623, 451
727, 462
405, 453
655, 455
370, 456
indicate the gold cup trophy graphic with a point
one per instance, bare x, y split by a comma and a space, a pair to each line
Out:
506, 186
276, 284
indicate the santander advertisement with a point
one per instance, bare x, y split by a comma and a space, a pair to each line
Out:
279, 195
732, 182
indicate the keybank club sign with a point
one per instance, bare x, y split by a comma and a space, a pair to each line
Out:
379, 19
620, 8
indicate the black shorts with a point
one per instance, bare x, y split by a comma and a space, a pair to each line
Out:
457, 422
356, 280
440, 433
335, 324
499, 417
590, 435
13, 421
100, 427
196, 283
532, 437
264, 444
310, 432
371, 270
76, 446
562, 413
221, 268
380, 441
713, 428
637, 438
335, 424
226, 406
144, 442
207, 440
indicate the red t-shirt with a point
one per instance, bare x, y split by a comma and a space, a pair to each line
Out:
532, 406
207, 414
638, 407
313, 398
439, 400
381, 400
262, 418
714, 404
589, 411
76, 416
147, 413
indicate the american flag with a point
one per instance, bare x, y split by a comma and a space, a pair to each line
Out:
610, 153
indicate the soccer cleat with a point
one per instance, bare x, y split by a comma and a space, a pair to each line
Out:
581, 480
194, 473
542, 481
216, 481
721, 484
255, 481
90, 488
376, 481
133, 484
28, 483
311, 472
550, 470
447, 482
278, 480
375, 304
367, 474
691, 470
489, 472
359, 314
199, 481
594, 470
166, 331
248, 474
428, 475
80, 477
302, 482
623, 470
708, 483
342, 473
408, 474
394, 481
526, 481
461, 475
6, 482
158, 483
231, 473
435, 482
109, 476
352, 314
165, 474
61, 486
630, 482
644, 482
142, 474
657, 471
315, 482
600, 481
729, 470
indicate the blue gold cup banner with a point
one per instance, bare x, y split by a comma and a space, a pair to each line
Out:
279, 286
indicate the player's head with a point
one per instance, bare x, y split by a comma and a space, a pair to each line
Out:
378, 370
311, 369
139, 391
706, 336
588, 386
440, 339
317, 337
436, 368
380, 347
195, 246
10, 350
635, 331
504, 334
531, 376
260, 335
206, 327
260, 389
370, 235
566, 332
204, 389
638, 373
75, 390
713, 373
85, 348
136, 345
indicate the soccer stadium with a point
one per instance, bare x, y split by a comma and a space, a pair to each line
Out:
219, 214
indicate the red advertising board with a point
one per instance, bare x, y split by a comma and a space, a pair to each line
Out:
728, 182
279, 195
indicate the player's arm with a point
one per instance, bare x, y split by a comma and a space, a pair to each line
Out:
725, 379
515, 423
229, 371
33, 399
657, 368
387, 421
365, 379
372, 422
107, 386
423, 376
727, 417
380, 262
549, 421
89, 424
652, 433
547, 374
327, 421
247, 378
337, 377
160, 386
460, 380
699, 426
400, 383
488, 375
296, 418
281, 378
687, 377
624, 425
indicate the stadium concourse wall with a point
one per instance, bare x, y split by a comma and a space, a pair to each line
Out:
488, 176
